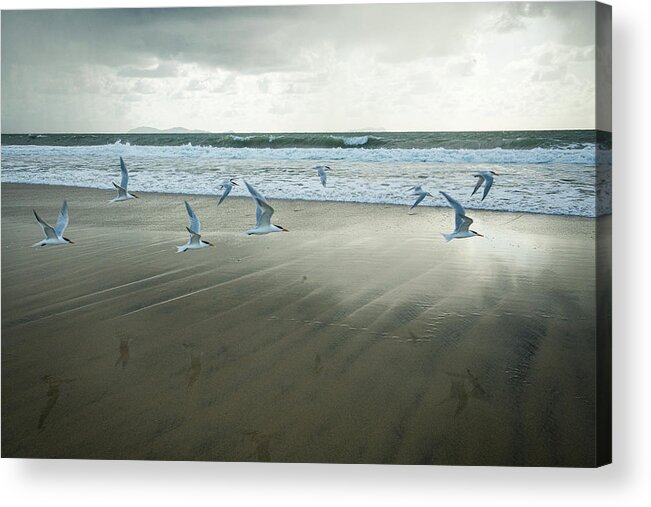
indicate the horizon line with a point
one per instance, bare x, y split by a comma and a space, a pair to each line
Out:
190, 131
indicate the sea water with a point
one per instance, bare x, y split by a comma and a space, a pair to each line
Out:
553, 172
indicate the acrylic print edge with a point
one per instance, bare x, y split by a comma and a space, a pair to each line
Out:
603, 239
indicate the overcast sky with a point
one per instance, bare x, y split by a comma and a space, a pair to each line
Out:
419, 67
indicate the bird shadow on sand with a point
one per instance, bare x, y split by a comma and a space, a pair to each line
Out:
123, 357
53, 393
195, 366
463, 387
262, 442
318, 365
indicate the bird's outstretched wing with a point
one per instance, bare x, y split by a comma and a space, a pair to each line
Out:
122, 192
263, 214
125, 175
62, 220
420, 198
454, 203
465, 223
48, 230
263, 211
227, 190
195, 224
254, 193
458, 210
322, 175
487, 187
195, 238
480, 181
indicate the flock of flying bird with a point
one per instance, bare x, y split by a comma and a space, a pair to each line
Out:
263, 211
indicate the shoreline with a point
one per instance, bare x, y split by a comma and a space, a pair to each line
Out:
110, 190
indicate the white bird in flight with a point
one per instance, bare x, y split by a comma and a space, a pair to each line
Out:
123, 195
461, 222
418, 190
486, 178
54, 235
321, 170
195, 240
227, 185
263, 213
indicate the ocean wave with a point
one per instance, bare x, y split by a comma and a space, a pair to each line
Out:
588, 155
562, 172
294, 141
514, 140
564, 182
355, 140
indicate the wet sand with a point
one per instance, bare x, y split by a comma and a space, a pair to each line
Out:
359, 337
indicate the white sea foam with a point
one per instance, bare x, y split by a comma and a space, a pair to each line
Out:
537, 180
352, 141
585, 156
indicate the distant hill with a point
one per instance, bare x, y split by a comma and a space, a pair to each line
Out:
173, 130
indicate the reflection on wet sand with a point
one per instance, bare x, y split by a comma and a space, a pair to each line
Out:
477, 390
261, 441
124, 352
53, 393
460, 394
195, 365
318, 366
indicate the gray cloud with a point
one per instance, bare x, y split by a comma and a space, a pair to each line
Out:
99, 63
161, 70
247, 39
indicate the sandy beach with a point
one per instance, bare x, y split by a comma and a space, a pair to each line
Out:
360, 336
